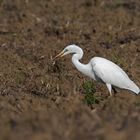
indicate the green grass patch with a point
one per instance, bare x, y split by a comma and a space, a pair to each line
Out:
89, 91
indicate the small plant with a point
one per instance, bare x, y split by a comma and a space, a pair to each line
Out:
89, 90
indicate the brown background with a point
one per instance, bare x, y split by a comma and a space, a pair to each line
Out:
44, 101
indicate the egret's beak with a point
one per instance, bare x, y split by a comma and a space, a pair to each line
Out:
61, 54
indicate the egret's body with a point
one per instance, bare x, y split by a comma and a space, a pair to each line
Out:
101, 69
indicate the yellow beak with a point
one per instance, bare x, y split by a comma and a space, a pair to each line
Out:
59, 55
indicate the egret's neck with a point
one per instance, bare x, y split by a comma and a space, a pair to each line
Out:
75, 60
84, 68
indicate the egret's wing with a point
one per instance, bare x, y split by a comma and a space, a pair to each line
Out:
109, 72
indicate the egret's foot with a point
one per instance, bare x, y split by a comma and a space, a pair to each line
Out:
110, 94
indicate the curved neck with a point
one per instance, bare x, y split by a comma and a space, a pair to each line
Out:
75, 61
84, 68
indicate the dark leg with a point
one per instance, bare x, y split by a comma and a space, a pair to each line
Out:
115, 91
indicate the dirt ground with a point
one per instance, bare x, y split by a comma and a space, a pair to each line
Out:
40, 100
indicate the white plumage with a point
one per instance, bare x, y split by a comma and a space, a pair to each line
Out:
101, 69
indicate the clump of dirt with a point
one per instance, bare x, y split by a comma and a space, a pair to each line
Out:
41, 99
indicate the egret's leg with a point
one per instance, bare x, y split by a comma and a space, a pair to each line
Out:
109, 88
115, 91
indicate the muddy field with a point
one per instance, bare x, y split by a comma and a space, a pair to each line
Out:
40, 100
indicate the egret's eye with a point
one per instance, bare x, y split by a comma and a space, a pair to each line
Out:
65, 50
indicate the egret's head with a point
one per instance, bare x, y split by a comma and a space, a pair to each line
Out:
73, 49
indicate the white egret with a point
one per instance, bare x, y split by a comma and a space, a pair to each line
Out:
101, 69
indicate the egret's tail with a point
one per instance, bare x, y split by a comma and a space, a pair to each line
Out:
134, 88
